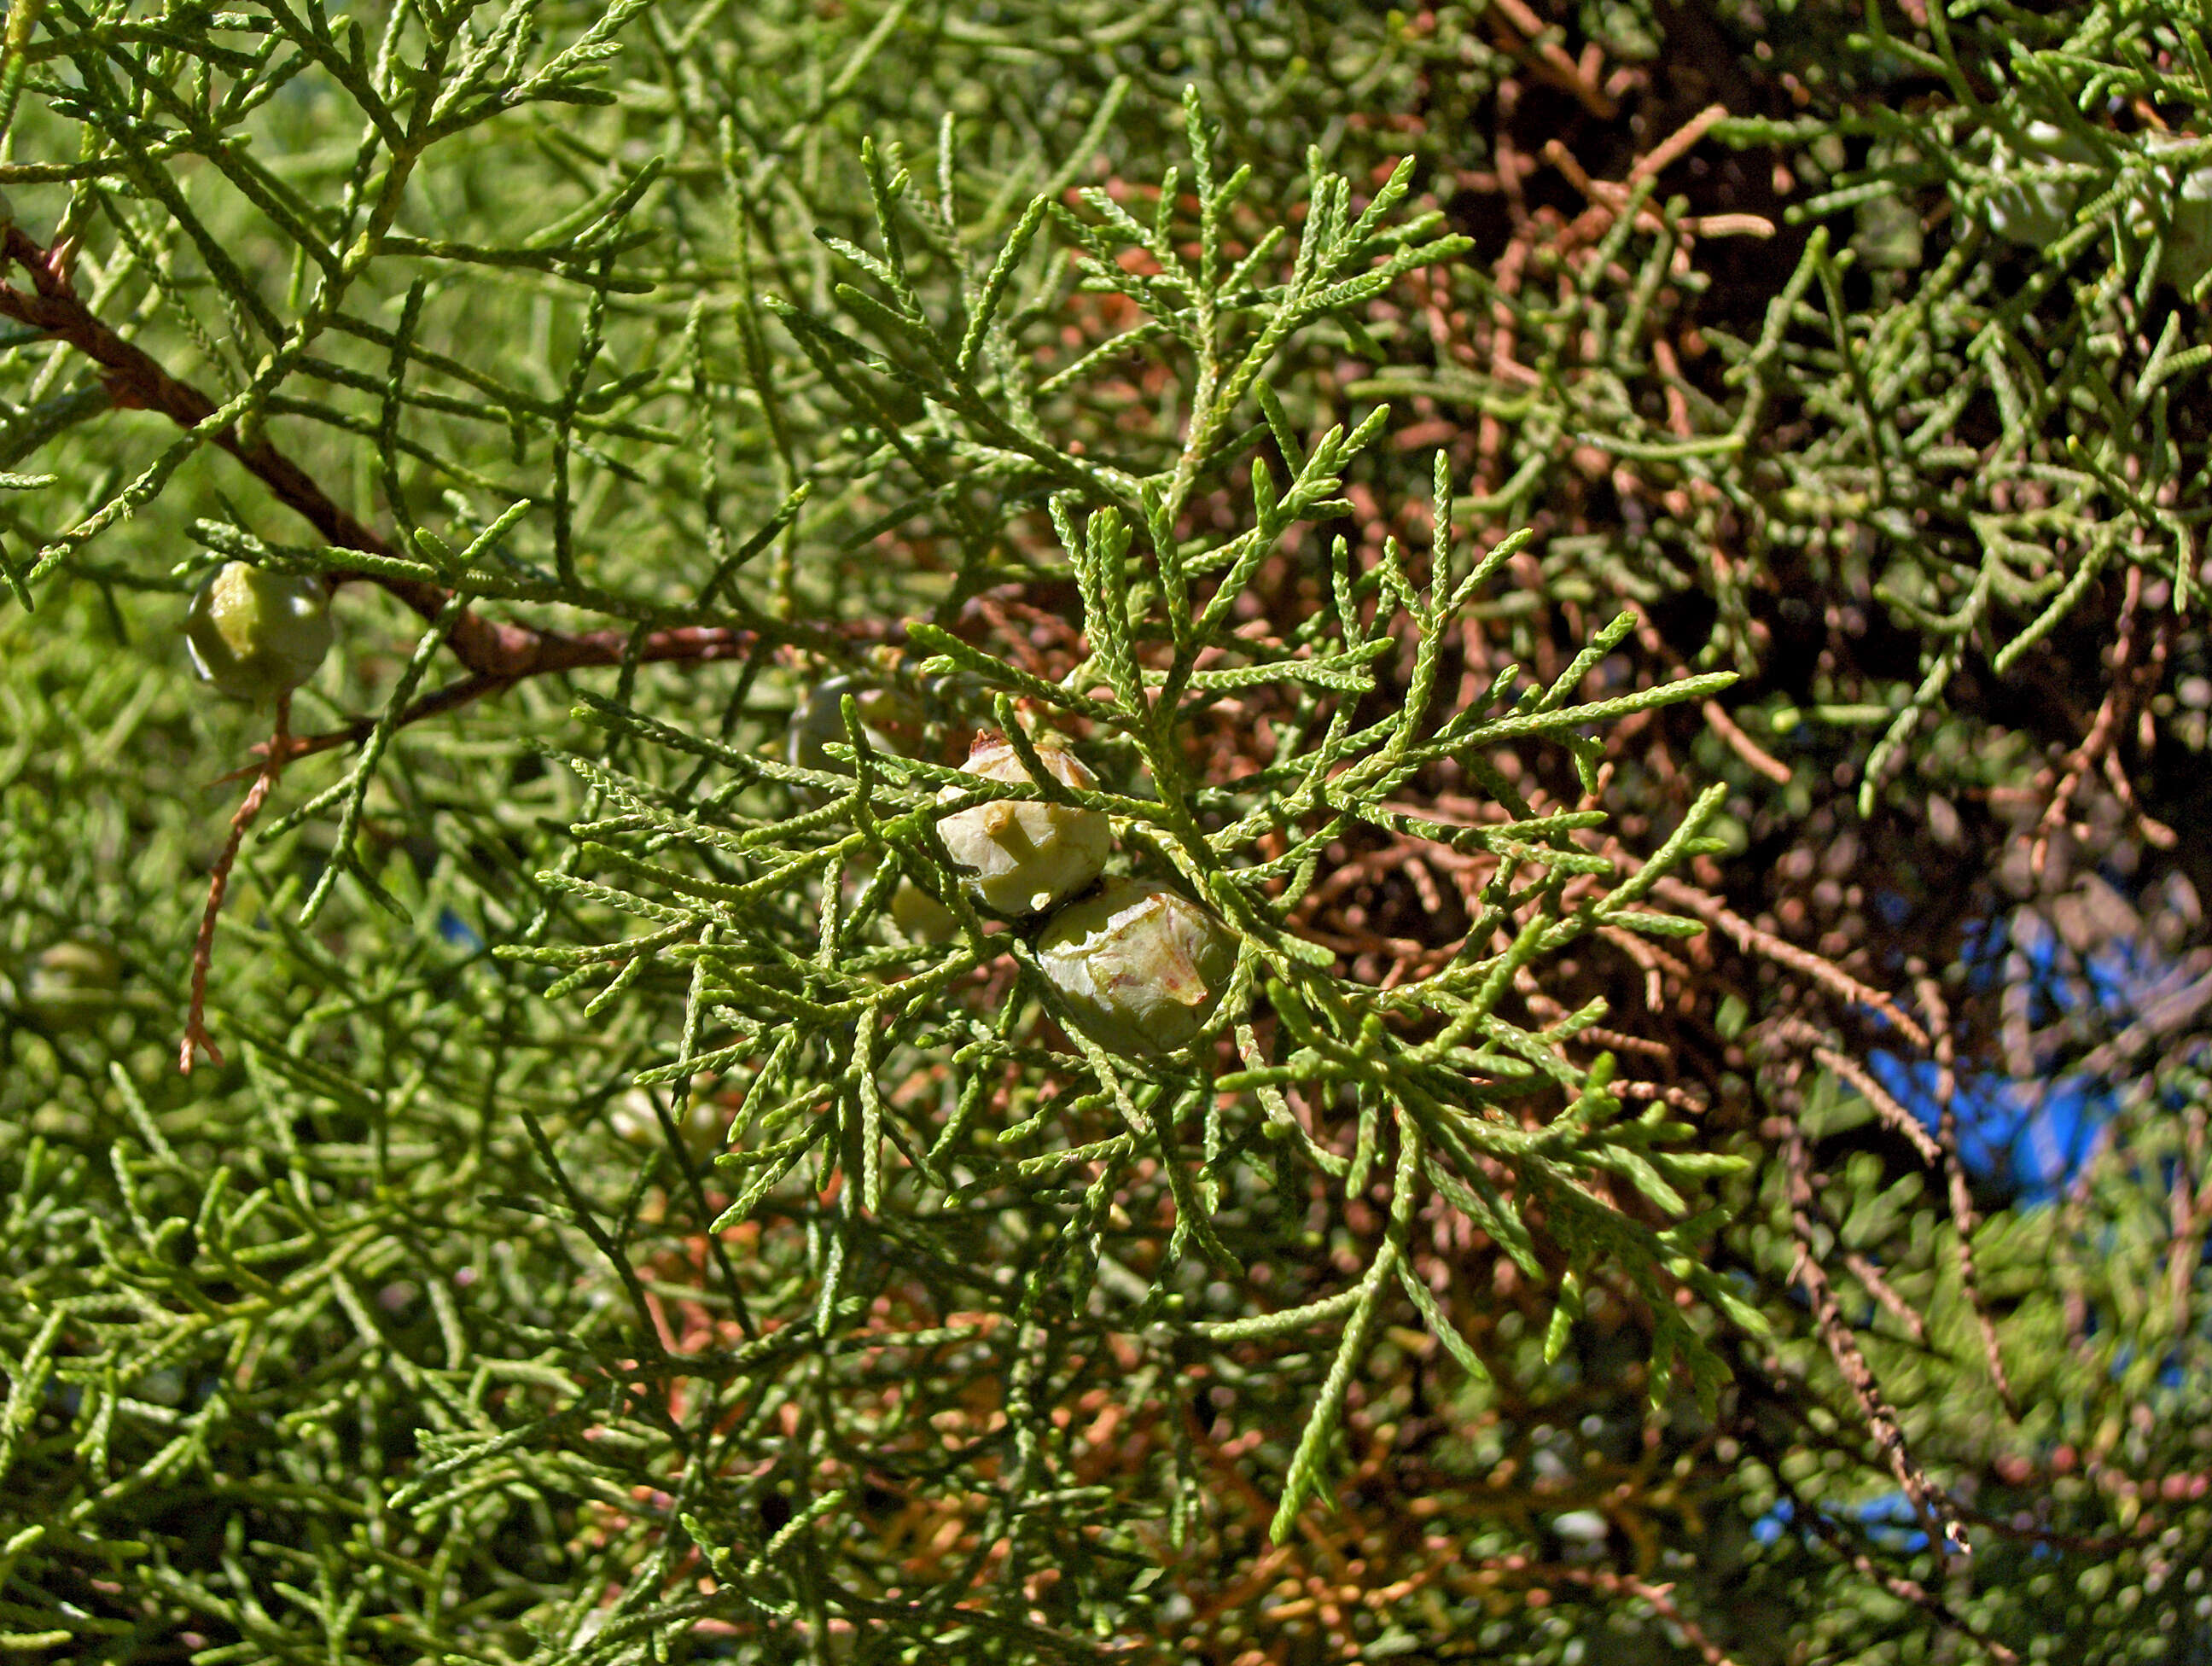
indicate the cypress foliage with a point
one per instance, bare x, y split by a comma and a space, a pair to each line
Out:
1642, 566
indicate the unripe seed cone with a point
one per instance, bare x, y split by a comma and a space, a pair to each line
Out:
921, 916
1022, 858
2188, 251
891, 723
1141, 966
702, 1126
73, 985
2035, 212
256, 635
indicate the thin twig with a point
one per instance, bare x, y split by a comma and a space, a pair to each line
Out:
1962, 1200
1661, 1598
1778, 1392
1795, 1032
1743, 745
197, 1039
2188, 1209
1714, 912
1898, 1585
2129, 686
496, 654
1933, 1510
1901, 1310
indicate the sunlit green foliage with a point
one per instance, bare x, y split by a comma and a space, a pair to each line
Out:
620, 1232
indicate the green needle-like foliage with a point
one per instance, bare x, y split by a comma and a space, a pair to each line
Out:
1522, 515
776, 903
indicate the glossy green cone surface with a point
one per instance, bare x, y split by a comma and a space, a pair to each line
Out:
890, 722
255, 633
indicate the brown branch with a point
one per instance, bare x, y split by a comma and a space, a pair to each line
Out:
1679, 894
1778, 1392
1795, 1032
1743, 745
1661, 1598
1954, 1170
2079, 1544
1932, 1507
1901, 1310
1908, 1591
2188, 1209
197, 1039
2129, 686
451, 697
495, 652
1548, 61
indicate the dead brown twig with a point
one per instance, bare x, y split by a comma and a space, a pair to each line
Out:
1954, 1173
1522, 34
1743, 745
1933, 1511
197, 1039
1678, 893
1659, 1598
1897, 1585
2130, 686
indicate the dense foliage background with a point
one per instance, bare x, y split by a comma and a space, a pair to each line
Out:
1646, 559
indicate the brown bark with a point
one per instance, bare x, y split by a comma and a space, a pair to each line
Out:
495, 652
